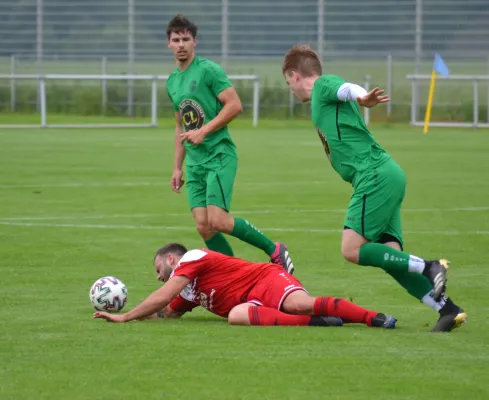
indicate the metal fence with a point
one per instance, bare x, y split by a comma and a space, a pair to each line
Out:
386, 39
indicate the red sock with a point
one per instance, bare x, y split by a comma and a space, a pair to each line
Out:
267, 316
348, 312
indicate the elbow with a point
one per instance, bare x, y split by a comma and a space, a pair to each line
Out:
238, 108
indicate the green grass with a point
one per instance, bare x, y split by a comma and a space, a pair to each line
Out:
79, 204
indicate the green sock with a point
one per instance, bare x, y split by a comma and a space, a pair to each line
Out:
416, 285
389, 259
219, 243
246, 232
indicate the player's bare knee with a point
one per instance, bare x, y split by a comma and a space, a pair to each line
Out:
299, 308
204, 229
221, 221
350, 253
239, 315
216, 224
298, 303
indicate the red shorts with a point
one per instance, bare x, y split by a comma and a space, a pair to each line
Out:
273, 288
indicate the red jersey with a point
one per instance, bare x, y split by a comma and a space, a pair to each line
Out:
217, 282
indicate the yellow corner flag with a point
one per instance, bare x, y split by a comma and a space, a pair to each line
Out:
440, 68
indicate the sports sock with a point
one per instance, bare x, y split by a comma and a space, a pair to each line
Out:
266, 316
416, 285
388, 258
348, 312
246, 232
219, 243
444, 306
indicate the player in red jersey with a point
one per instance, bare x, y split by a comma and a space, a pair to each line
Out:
244, 292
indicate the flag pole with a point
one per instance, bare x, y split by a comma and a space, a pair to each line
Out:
430, 102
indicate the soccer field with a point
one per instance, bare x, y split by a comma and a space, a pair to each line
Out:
76, 205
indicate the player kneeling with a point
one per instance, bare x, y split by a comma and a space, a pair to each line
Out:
244, 292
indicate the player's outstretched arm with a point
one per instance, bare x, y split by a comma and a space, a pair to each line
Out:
168, 312
353, 92
156, 301
176, 181
232, 107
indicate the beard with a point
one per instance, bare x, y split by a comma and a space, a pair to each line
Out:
182, 56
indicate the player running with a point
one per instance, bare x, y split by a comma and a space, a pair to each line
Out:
245, 293
205, 102
372, 228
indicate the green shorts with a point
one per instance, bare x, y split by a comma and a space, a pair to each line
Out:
212, 183
375, 207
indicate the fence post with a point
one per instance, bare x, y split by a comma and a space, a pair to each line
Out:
42, 92
154, 101
225, 34
320, 33
39, 42
366, 110
476, 103
488, 90
104, 86
256, 100
12, 84
414, 101
418, 49
389, 88
291, 103
130, 55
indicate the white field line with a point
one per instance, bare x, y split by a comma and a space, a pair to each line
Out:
163, 182
146, 183
191, 228
233, 212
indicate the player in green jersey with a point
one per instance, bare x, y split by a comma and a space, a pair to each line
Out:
205, 102
372, 232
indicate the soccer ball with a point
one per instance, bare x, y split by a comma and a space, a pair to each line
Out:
108, 294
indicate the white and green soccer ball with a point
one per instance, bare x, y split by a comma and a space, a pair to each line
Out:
108, 294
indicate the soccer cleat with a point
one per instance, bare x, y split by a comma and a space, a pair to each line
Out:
448, 322
317, 320
436, 272
281, 257
384, 321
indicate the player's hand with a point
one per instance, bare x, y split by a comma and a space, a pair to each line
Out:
176, 181
372, 98
109, 317
195, 137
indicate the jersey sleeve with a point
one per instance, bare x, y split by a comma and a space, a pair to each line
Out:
182, 305
329, 85
216, 78
192, 264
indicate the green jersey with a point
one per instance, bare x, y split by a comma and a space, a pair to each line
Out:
349, 145
193, 92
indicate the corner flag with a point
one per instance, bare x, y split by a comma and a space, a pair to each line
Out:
439, 67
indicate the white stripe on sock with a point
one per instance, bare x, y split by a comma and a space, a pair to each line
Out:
430, 302
416, 264
435, 305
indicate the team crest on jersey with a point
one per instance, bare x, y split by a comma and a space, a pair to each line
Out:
192, 114
325, 143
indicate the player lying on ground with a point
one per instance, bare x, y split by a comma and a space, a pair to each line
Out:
372, 228
245, 293
205, 102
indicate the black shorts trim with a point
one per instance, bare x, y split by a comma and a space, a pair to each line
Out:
364, 202
222, 193
387, 237
337, 121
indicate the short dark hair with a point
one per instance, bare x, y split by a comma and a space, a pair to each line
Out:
174, 248
180, 24
303, 60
